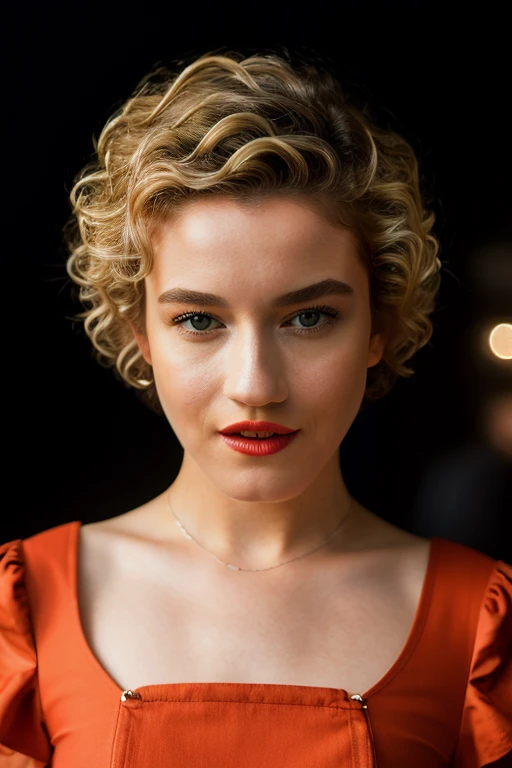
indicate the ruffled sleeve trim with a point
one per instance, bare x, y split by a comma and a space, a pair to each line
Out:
24, 741
486, 725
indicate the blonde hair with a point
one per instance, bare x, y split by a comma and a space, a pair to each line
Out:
248, 128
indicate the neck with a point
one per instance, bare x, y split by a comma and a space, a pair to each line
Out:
257, 524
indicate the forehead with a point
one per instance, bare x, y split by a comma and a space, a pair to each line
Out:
277, 233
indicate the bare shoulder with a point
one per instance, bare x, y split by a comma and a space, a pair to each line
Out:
145, 523
110, 549
371, 532
391, 553
105, 544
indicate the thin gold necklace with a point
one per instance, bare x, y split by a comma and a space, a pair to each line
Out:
235, 567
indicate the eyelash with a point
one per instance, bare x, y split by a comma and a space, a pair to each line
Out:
331, 313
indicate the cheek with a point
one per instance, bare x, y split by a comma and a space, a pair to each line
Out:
338, 368
332, 388
334, 411
184, 383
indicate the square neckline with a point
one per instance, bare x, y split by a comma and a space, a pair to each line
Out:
280, 689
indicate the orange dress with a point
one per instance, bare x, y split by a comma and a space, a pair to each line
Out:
446, 700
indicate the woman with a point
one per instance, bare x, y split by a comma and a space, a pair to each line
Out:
256, 259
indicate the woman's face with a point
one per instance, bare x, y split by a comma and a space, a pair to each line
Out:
255, 357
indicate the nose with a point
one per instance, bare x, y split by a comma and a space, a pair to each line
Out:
255, 369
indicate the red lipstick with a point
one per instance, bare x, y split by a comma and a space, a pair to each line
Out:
256, 426
257, 446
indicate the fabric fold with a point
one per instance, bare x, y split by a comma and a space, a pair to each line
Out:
24, 742
486, 725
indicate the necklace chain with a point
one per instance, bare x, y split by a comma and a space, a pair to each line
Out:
235, 567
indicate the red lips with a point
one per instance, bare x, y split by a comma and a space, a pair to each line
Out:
256, 426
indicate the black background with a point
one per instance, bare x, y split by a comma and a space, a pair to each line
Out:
82, 447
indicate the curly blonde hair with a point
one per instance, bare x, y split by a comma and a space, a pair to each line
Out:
248, 127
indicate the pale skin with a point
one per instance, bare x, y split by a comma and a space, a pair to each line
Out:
256, 512
337, 617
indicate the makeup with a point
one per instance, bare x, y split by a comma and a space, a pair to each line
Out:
259, 446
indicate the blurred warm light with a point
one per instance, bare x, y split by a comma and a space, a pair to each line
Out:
496, 421
500, 341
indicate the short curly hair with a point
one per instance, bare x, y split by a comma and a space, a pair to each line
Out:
249, 128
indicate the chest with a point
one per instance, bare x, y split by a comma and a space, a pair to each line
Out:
148, 621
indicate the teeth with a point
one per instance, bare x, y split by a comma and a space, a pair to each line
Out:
257, 434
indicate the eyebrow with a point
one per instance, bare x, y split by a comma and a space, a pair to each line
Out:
326, 287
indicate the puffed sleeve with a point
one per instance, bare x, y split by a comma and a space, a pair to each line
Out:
486, 726
24, 741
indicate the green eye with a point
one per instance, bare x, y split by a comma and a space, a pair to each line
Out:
200, 317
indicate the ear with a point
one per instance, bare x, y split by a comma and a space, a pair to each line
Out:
376, 348
142, 342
